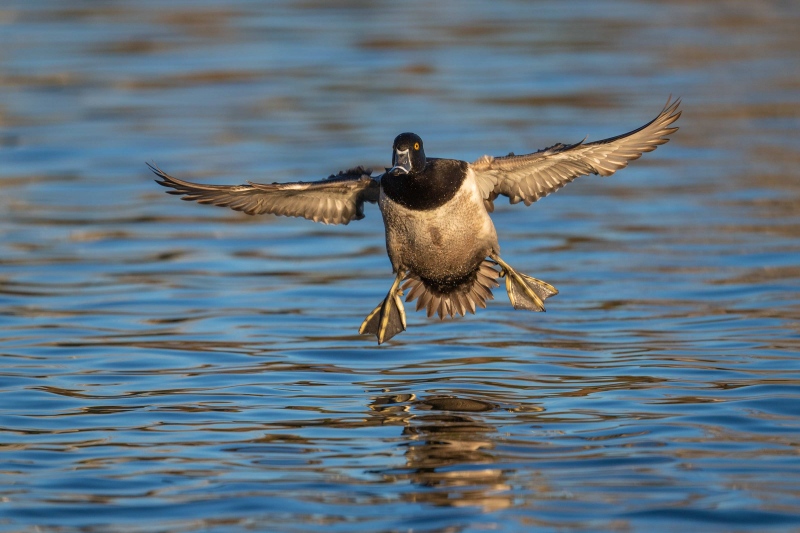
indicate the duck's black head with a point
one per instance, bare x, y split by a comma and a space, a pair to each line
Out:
408, 155
418, 183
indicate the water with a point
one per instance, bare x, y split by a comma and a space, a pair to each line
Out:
178, 368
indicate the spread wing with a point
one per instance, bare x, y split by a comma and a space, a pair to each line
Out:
529, 177
336, 200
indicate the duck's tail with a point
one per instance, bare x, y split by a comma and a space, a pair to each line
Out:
452, 297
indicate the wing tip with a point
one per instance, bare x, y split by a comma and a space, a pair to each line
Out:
166, 180
671, 111
672, 104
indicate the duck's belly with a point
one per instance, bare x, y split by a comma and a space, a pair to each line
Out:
448, 242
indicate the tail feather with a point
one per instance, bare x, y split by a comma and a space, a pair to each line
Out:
459, 300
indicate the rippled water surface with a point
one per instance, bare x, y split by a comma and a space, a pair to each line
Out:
177, 368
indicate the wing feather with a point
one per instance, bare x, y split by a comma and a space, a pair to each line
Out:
336, 200
526, 178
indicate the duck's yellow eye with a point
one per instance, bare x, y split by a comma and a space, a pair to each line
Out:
416, 146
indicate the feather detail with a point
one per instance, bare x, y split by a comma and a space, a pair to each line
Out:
466, 297
527, 178
336, 200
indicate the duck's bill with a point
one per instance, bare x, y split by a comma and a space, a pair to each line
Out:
401, 162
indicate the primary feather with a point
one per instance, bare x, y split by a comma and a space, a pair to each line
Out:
526, 178
336, 200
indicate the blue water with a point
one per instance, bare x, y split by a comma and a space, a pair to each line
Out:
172, 367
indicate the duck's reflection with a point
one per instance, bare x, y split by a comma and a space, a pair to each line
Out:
449, 452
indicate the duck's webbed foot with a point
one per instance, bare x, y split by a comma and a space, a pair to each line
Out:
524, 291
389, 318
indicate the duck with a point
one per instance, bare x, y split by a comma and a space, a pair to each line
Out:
440, 238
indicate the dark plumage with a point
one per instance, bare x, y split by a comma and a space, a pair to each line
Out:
429, 189
439, 236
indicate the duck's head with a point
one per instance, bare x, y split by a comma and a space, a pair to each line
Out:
408, 156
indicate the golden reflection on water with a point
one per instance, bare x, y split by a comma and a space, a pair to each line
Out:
173, 368
447, 454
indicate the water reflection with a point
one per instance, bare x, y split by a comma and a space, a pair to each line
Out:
167, 368
448, 452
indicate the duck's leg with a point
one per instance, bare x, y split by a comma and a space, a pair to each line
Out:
389, 318
524, 291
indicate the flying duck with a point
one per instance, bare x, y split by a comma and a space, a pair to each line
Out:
440, 239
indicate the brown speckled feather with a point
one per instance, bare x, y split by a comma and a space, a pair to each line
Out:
336, 200
526, 178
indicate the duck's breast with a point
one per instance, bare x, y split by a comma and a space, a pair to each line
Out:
449, 240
